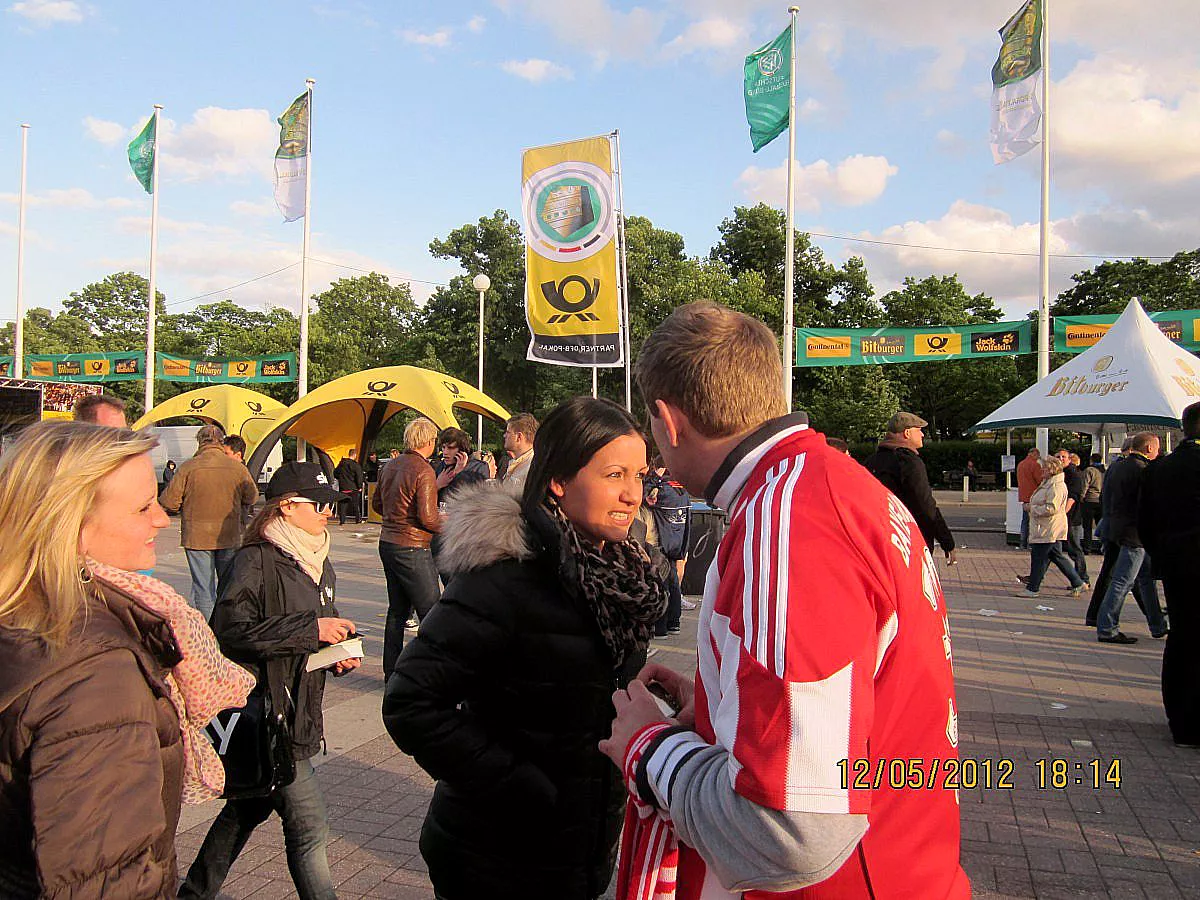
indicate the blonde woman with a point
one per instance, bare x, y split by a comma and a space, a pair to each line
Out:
1048, 529
106, 676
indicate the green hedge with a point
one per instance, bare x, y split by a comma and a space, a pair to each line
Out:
942, 456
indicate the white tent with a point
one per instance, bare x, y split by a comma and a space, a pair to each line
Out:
1134, 374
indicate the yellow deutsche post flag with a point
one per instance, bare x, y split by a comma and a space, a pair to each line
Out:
572, 293
940, 344
241, 368
97, 367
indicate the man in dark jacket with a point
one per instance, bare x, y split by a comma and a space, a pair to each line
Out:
1093, 483
896, 465
1169, 525
349, 475
1075, 487
1121, 497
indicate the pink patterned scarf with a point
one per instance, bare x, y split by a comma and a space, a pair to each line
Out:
203, 684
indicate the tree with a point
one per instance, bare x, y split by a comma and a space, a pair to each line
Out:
1107, 288
956, 394
115, 310
361, 323
754, 240
850, 402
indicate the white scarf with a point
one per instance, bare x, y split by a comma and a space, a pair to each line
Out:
309, 550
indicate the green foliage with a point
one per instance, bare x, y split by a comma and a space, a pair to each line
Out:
850, 402
1108, 288
949, 456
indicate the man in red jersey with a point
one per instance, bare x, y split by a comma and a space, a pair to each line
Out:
810, 756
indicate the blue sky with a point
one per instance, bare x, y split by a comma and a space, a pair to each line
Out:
422, 110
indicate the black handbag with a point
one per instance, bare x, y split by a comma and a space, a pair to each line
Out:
254, 742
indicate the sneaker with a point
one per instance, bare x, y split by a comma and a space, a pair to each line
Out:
651, 652
412, 622
688, 604
1160, 635
674, 629
1077, 591
1024, 579
1119, 638
1027, 593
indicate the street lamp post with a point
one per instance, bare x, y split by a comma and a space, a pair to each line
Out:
481, 283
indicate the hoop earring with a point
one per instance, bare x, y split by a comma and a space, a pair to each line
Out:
85, 575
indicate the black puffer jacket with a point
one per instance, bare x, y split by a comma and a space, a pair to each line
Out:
503, 697
278, 646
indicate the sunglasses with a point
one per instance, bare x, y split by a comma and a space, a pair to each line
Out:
322, 507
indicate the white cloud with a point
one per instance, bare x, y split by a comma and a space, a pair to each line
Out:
536, 70
439, 38
595, 27
71, 198
810, 108
475, 24
220, 143
44, 13
855, 181
103, 131
716, 33
260, 209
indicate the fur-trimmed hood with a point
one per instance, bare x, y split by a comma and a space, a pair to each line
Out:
484, 526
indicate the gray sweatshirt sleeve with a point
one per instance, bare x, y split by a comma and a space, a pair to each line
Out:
747, 846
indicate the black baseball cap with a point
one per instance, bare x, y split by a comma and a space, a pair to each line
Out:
303, 478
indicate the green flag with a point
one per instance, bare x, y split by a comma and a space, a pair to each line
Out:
767, 86
141, 155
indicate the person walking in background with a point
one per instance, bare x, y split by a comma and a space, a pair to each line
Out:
1048, 529
406, 498
283, 564
1111, 550
1122, 490
168, 473
1029, 476
519, 434
101, 409
898, 467
1093, 483
671, 509
107, 677
349, 475
209, 491
506, 691
371, 468
235, 447
1075, 482
1169, 526
823, 638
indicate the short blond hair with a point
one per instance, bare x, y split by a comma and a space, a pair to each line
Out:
49, 479
1052, 465
419, 432
720, 367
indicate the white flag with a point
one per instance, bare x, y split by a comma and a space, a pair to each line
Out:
1017, 85
291, 159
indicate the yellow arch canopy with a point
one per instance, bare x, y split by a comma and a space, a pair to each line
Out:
236, 409
347, 413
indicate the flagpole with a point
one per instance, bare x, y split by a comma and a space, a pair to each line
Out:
790, 237
153, 289
302, 373
624, 281
18, 370
1043, 434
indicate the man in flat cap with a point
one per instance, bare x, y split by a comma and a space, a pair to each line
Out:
900, 470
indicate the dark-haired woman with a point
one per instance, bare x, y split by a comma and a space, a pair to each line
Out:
506, 691
276, 607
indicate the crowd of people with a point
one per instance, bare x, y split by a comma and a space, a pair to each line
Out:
523, 602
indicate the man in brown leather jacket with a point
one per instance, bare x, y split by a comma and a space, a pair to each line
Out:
407, 500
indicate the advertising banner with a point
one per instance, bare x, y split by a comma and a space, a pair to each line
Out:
6, 367
933, 343
572, 292
226, 370
92, 367
1074, 334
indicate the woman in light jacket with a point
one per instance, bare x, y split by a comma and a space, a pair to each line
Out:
1048, 529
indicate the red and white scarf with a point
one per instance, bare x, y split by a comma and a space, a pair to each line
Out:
200, 686
649, 848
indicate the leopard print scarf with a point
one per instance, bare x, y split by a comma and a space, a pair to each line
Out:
617, 584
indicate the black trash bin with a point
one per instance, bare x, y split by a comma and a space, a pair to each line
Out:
708, 527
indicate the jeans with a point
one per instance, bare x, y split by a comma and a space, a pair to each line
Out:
1132, 567
1024, 526
1103, 580
1040, 557
1090, 515
207, 566
670, 618
412, 583
305, 837
1075, 550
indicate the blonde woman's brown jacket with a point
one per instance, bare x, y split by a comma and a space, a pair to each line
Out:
91, 759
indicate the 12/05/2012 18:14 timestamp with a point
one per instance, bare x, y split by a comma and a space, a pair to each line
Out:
973, 774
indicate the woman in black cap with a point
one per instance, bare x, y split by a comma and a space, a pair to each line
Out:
506, 691
283, 562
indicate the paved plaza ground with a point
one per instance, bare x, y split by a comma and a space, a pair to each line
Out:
1033, 684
